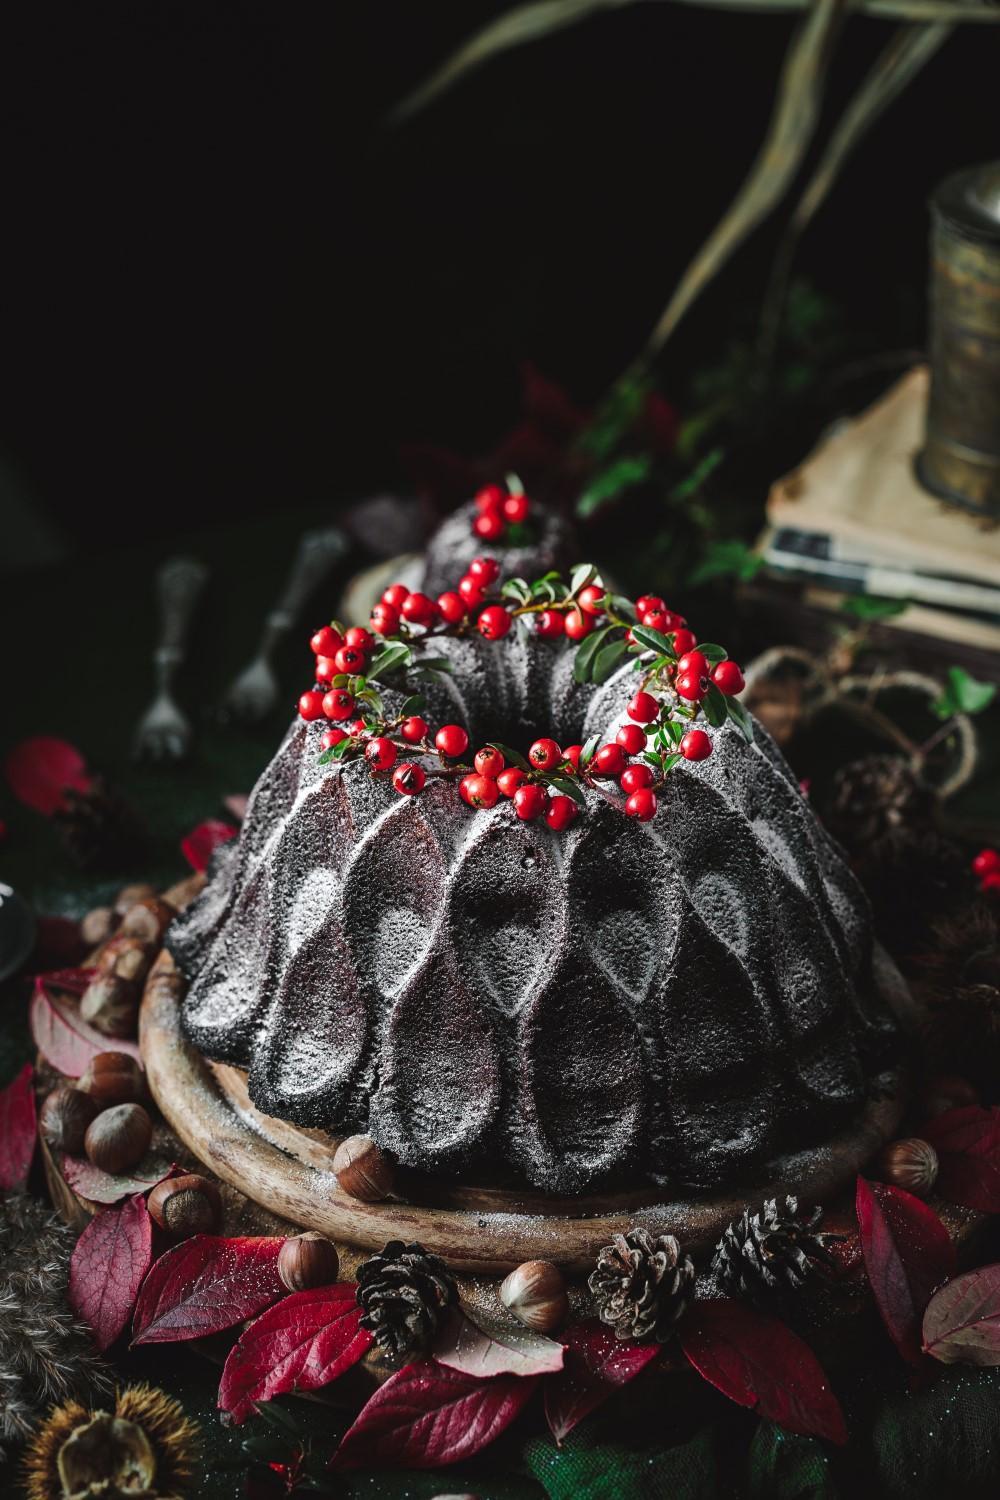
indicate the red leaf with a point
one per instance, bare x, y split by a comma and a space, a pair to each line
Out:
967, 1142
102, 1187
107, 1267
71, 981
659, 423
908, 1252
63, 1039
205, 1284
962, 1321
39, 771
427, 1415
17, 1130
201, 843
758, 1362
597, 1364
462, 1345
302, 1343
969, 1179
57, 943
969, 1129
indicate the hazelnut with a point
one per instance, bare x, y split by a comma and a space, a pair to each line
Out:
148, 920
113, 1078
536, 1294
125, 957
948, 1091
186, 1205
363, 1169
308, 1260
64, 1118
97, 926
119, 1137
111, 1005
911, 1164
129, 895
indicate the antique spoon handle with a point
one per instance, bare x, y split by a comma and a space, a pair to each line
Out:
316, 555
179, 584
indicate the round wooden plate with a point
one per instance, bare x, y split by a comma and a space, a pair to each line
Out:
474, 1228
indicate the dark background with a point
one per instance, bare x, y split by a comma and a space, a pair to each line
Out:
228, 288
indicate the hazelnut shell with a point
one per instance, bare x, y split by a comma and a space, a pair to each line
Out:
113, 1078
118, 1137
535, 1293
186, 1205
111, 1005
65, 1117
363, 1169
148, 920
308, 1260
911, 1164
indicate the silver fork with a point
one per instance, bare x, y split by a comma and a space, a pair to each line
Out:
253, 694
164, 732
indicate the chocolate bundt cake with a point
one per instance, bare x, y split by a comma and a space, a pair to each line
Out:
683, 1002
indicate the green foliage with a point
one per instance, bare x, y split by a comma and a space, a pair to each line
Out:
614, 418
727, 559
867, 607
611, 482
963, 694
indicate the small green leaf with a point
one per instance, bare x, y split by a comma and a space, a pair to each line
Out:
653, 640
436, 664
589, 750
866, 607
740, 717
714, 706
701, 471
622, 606
728, 559
337, 752
616, 414
391, 658
669, 761
711, 652
512, 757
653, 760
963, 694
587, 653
608, 659
514, 485
341, 680
516, 588
674, 732
568, 788
581, 575
411, 704
609, 483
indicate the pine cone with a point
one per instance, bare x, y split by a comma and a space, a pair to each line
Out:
873, 798
771, 1251
959, 980
641, 1285
403, 1293
99, 827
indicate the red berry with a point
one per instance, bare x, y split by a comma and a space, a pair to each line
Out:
338, 704
380, 753
545, 755
395, 595
509, 780
358, 729
631, 738
609, 760
692, 687
549, 624
494, 622
478, 791
326, 668
591, 599
644, 708
648, 604
641, 805
693, 661
451, 739
728, 678
515, 509
489, 761
490, 498
311, 705
634, 778
470, 591
326, 641
572, 753
684, 641
349, 659
986, 862
385, 619
658, 620
332, 737
489, 527
418, 609
413, 729
560, 813
409, 779
359, 639
452, 607
578, 624
529, 801
990, 882
485, 570
696, 745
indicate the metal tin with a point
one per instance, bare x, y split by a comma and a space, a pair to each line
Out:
961, 457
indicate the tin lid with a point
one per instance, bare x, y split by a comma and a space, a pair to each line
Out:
968, 202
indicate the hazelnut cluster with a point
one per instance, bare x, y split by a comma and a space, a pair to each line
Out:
102, 1115
131, 933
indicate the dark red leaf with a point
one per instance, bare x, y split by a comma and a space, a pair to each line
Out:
40, 770
17, 1130
69, 981
63, 1039
200, 844
462, 1345
908, 1252
969, 1129
107, 1267
58, 944
103, 1187
427, 1415
758, 1362
962, 1321
969, 1179
659, 423
206, 1284
300, 1344
597, 1364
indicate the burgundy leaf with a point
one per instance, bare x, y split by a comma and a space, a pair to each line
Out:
597, 1364
63, 1039
969, 1179
205, 1284
107, 1267
908, 1252
200, 844
39, 771
103, 1187
758, 1362
300, 1344
427, 1415
71, 981
58, 943
462, 1345
17, 1130
962, 1321
969, 1129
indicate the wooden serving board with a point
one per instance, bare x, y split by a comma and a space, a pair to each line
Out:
477, 1229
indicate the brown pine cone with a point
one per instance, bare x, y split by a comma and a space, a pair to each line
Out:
641, 1284
403, 1293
